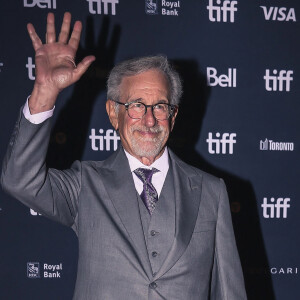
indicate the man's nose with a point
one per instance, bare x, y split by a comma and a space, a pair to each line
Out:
149, 119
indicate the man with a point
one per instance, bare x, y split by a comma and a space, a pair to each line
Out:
149, 225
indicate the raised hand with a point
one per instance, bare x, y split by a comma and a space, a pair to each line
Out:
55, 67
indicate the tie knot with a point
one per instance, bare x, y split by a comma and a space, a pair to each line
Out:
145, 175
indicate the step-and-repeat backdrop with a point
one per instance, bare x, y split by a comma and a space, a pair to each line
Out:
239, 120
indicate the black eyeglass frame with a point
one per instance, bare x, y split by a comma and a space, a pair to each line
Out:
172, 109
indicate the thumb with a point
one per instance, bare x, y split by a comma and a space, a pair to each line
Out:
82, 67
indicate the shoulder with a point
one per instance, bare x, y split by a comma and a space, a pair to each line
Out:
193, 171
112, 162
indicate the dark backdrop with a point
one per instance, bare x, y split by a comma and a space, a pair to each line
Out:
239, 120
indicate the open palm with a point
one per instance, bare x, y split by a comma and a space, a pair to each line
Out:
54, 60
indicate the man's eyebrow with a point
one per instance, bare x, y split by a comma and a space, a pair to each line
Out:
134, 100
141, 100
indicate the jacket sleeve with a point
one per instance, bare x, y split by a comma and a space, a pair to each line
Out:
227, 276
25, 176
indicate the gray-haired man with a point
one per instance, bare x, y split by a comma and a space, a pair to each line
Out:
149, 225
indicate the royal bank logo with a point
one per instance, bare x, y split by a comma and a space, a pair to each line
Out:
223, 80
222, 11
103, 7
151, 7
167, 8
282, 14
221, 145
48, 270
275, 208
30, 66
33, 270
278, 80
270, 145
104, 141
51, 4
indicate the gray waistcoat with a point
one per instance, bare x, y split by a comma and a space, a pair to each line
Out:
159, 229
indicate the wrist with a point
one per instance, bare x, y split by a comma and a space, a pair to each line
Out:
42, 99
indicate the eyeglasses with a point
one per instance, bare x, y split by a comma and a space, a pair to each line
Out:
160, 111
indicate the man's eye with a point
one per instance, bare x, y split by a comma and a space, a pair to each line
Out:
160, 106
136, 105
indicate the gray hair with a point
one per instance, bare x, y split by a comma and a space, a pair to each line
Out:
139, 65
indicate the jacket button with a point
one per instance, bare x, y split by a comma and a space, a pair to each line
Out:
153, 285
154, 254
153, 232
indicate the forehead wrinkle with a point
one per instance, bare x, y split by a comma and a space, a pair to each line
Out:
145, 86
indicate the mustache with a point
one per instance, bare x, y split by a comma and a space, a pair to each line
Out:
155, 129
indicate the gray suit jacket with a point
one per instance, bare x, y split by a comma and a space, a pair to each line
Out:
98, 200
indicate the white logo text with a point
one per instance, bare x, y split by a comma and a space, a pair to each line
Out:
96, 6
275, 209
215, 145
275, 146
222, 80
40, 3
280, 82
220, 13
98, 142
279, 13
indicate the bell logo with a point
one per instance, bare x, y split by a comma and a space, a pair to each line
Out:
280, 81
276, 209
96, 6
221, 12
40, 3
279, 14
223, 80
215, 145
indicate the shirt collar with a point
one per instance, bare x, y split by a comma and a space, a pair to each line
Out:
161, 164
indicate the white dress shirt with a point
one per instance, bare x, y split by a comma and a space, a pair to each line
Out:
161, 164
37, 118
158, 179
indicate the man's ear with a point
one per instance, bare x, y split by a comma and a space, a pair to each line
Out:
172, 121
111, 111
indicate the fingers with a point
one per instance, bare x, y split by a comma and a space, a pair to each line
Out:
65, 28
83, 66
75, 37
36, 42
50, 35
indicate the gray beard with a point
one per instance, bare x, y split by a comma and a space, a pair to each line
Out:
148, 147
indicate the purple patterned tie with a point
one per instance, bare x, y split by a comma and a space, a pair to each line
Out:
149, 193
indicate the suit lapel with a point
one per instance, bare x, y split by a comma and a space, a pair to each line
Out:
187, 201
117, 179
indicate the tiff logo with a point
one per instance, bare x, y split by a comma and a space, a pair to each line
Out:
223, 80
280, 82
275, 146
275, 209
96, 6
220, 12
40, 3
215, 145
97, 141
279, 14
30, 67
